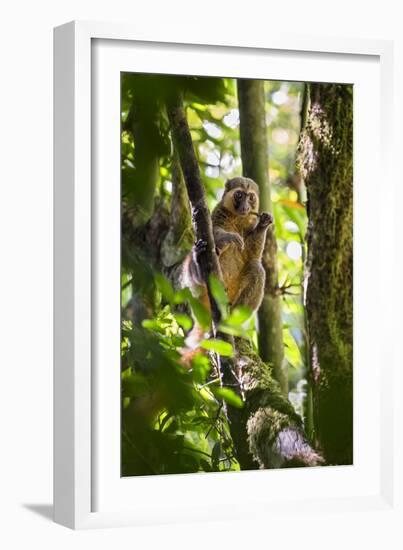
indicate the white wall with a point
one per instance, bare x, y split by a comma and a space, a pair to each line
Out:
26, 261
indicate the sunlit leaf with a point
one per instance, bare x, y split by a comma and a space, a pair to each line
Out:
164, 287
234, 330
201, 368
152, 324
219, 346
239, 315
229, 396
183, 320
182, 296
219, 293
201, 313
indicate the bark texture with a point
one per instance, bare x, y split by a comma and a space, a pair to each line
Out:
180, 237
326, 164
255, 162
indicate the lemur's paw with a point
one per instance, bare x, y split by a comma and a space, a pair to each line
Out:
230, 238
200, 247
266, 219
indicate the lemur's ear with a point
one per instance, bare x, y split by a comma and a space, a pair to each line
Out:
230, 184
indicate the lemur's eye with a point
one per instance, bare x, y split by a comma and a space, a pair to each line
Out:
252, 197
238, 195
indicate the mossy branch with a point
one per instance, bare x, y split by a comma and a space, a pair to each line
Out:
274, 431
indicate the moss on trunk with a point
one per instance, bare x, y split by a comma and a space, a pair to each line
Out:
326, 164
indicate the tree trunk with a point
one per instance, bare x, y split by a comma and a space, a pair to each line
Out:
326, 164
255, 162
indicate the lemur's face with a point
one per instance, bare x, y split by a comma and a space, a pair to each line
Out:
244, 201
241, 200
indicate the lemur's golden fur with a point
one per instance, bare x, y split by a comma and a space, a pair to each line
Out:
239, 234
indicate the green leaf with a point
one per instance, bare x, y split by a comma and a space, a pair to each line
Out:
200, 367
201, 313
170, 425
239, 315
229, 396
165, 287
219, 294
219, 346
182, 296
152, 324
235, 331
183, 320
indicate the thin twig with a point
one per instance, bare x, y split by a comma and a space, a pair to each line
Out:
215, 420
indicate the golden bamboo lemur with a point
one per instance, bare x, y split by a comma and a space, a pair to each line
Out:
239, 234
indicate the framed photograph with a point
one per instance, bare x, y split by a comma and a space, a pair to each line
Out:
218, 246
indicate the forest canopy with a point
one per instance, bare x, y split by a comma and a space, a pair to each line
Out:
268, 390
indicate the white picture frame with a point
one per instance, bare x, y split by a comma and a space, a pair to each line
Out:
87, 492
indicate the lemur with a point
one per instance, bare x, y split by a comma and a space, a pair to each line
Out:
239, 234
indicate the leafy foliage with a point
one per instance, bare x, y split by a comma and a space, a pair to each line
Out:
172, 418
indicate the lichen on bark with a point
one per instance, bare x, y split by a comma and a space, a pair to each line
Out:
274, 431
180, 236
326, 165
